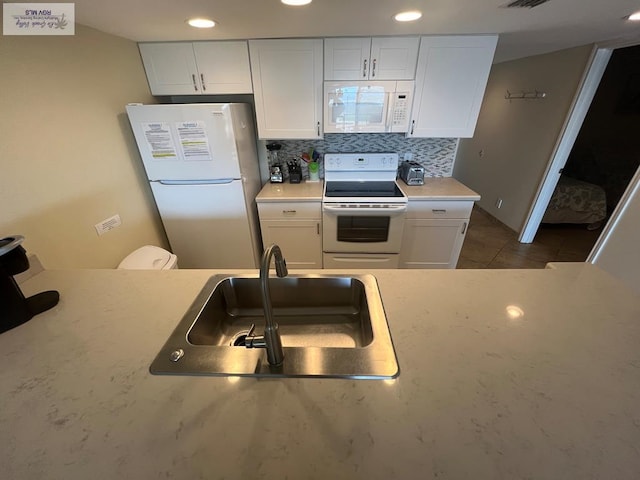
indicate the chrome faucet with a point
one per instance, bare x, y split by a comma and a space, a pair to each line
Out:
271, 338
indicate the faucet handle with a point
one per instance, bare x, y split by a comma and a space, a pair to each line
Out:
254, 341
250, 332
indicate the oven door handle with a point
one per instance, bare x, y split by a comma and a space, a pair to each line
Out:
392, 211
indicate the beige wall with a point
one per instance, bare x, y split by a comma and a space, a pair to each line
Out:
67, 155
517, 137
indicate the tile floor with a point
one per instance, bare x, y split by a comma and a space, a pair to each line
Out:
491, 244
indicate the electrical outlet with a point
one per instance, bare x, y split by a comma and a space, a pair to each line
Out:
499, 203
108, 224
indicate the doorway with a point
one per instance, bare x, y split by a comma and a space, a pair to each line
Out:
597, 146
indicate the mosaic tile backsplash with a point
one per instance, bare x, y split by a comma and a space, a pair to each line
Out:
436, 155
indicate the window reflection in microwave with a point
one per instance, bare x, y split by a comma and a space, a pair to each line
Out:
350, 106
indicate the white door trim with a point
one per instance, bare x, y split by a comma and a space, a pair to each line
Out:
579, 108
630, 191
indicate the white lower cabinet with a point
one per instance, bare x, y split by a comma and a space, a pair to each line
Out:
434, 232
296, 228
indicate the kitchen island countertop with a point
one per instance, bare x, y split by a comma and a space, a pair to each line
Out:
505, 374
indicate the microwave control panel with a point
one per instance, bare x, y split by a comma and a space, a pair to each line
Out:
400, 107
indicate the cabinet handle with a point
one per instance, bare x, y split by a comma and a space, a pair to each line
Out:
204, 87
438, 210
195, 85
413, 124
318, 127
373, 69
318, 228
464, 228
364, 69
288, 212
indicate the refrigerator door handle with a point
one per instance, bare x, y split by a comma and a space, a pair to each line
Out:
217, 181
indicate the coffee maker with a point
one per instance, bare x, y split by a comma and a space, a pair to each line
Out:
15, 309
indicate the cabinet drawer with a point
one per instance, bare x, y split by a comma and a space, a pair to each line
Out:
439, 209
289, 210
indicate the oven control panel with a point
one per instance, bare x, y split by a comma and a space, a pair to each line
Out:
373, 162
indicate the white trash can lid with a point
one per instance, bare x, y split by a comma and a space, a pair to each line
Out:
148, 257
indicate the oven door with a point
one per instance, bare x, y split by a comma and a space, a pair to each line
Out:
362, 228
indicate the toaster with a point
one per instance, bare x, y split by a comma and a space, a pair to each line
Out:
412, 173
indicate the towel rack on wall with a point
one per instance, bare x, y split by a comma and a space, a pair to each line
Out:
534, 95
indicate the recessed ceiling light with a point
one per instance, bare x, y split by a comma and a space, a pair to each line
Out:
296, 2
201, 22
409, 16
634, 17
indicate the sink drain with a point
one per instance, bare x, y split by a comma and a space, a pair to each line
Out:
239, 339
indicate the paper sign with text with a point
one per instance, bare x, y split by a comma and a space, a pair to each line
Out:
38, 19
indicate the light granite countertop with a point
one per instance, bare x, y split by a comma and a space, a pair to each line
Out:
445, 188
291, 192
441, 188
505, 374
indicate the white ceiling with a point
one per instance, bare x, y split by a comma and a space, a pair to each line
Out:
552, 26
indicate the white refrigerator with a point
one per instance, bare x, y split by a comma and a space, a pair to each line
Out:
202, 165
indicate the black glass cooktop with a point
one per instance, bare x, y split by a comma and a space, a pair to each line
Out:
363, 189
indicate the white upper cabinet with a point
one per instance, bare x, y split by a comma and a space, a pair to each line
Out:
287, 81
171, 68
223, 67
451, 78
377, 58
198, 68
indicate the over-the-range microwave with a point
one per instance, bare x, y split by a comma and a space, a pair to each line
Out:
371, 107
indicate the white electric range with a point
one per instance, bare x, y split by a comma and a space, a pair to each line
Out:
363, 211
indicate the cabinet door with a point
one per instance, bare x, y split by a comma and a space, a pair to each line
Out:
287, 84
223, 67
346, 58
430, 243
393, 58
171, 68
451, 78
299, 240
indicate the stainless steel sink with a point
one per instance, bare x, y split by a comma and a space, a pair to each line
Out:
330, 325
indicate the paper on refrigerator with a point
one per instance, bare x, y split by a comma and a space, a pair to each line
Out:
159, 140
194, 140
192, 144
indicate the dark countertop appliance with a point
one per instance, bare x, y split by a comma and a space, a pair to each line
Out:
295, 172
412, 173
275, 168
15, 309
